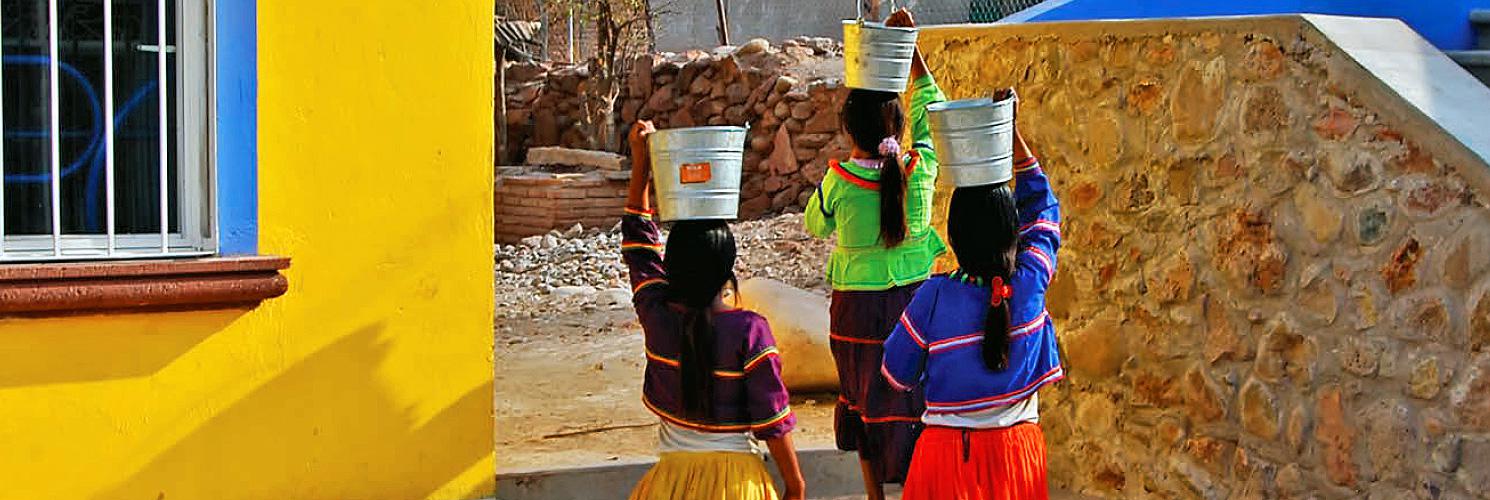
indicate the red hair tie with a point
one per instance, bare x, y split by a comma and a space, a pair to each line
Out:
1000, 292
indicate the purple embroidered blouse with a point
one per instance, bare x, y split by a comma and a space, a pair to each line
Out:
749, 395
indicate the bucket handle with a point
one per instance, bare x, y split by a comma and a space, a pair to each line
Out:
859, 6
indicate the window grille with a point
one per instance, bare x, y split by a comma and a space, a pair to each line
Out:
104, 149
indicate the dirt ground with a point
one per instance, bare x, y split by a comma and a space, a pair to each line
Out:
569, 361
571, 395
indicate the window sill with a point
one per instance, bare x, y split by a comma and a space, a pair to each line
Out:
140, 285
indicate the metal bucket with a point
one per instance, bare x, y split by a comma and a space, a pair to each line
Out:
974, 140
697, 172
877, 57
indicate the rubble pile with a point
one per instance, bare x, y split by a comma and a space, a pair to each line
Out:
580, 269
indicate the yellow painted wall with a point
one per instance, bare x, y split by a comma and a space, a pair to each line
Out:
372, 378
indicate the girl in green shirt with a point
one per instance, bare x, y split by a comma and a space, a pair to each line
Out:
878, 204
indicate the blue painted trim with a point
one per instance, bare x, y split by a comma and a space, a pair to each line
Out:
237, 127
1445, 23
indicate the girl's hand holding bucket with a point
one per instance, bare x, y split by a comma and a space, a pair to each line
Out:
641, 166
1021, 149
901, 19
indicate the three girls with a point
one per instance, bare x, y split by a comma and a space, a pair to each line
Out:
977, 341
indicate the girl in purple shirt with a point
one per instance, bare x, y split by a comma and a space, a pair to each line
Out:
713, 377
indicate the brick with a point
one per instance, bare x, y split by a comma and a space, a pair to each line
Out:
525, 181
532, 226
586, 182
601, 192
535, 202
527, 211
566, 193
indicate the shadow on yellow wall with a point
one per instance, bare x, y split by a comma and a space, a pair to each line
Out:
372, 377
58, 352
290, 412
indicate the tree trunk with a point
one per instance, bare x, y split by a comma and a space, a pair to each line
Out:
502, 107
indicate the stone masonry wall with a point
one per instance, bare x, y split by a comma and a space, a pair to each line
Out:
788, 94
1266, 291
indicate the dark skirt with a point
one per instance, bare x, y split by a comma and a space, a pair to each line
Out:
872, 418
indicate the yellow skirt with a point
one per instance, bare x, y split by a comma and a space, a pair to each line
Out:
706, 476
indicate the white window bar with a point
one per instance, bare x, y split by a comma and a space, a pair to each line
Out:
2, 139
165, 194
56, 98
195, 235
108, 122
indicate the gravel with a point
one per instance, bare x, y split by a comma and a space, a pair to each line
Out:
580, 269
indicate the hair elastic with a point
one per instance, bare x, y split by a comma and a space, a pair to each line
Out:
890, 147
1001, 292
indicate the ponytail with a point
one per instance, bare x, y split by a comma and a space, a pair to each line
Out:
700, 261
996, 324
983, 228
696, 362
874, 118
696, 359
892, 202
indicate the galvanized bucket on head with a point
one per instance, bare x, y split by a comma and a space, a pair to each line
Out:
974, 140
696, 172
877, 57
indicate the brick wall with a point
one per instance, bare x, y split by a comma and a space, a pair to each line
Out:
531, 202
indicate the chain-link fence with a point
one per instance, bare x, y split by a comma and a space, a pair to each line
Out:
569, 33
961, 11
987, 11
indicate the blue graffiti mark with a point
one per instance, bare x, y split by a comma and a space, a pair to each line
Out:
93, 155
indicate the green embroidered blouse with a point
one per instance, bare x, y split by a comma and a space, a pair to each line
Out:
846, 203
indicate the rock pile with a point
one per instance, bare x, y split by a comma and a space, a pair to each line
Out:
524, 83
788, 94
581, 268
793, 121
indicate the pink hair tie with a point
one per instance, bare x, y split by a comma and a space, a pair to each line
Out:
890, 147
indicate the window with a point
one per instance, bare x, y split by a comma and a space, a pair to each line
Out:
98, 158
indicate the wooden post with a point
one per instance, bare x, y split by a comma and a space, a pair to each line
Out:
543, 18
502, 107
723, 22
651, 29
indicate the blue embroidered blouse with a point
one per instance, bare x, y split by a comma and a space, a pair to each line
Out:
937, 342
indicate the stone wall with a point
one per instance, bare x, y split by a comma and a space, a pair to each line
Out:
1269, 286
788, 94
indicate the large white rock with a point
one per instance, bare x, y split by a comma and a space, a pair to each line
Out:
799, 320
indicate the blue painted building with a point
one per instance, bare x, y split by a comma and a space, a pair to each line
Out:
1445, 23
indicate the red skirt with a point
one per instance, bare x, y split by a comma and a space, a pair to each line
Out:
973, 464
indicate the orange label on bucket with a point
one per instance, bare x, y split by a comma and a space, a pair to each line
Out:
694, 173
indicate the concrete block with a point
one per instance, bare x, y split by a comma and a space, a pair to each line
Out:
576, 158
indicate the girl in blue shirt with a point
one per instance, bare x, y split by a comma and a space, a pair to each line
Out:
980, 343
